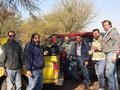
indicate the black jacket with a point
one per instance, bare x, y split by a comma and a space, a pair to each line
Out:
11, 56
55, 50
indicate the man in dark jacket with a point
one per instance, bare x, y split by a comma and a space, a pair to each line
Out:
81, 53
55, 49
11, 60
34, 63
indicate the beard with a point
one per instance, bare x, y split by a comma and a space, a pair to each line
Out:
37, 43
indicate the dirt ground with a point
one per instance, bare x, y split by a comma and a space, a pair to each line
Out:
69, 85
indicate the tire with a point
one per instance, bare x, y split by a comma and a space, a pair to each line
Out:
4, 85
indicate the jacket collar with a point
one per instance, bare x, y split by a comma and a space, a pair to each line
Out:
99, 39
108, 32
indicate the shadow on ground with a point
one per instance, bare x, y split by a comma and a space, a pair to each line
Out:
70, 85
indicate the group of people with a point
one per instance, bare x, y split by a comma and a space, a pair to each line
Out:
104, 51
13, 58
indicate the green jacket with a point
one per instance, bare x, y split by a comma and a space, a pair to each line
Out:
11, 55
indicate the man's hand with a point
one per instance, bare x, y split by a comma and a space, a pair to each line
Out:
94, 48
114, 57
86, 63
45, 52
29, 73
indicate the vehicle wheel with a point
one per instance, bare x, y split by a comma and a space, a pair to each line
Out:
4, 85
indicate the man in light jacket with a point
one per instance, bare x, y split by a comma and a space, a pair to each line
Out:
111, 48
98, 58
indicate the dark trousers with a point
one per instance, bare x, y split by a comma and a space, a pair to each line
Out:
70, 68
82, 66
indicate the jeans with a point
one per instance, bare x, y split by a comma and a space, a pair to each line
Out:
83, 67
111, 73
35, 82
71, 70
13, 78
99, 69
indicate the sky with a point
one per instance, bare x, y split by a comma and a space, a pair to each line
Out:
106, 9
103, 9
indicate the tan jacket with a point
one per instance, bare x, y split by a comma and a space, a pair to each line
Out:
97, 55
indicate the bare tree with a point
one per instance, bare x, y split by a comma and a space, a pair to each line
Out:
31, 6
74, 15
4, 14
10, 8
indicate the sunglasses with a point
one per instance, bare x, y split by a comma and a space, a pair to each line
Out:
11, 35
